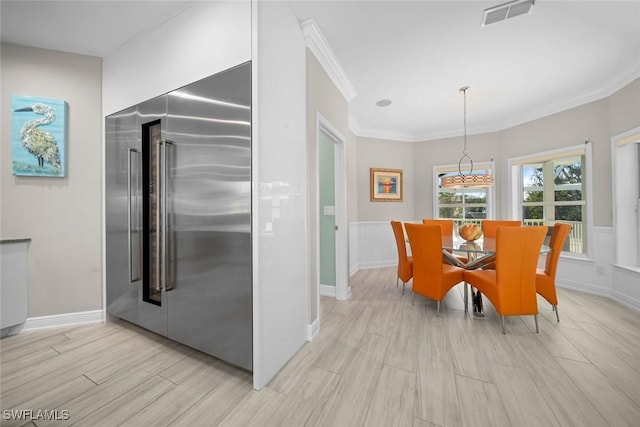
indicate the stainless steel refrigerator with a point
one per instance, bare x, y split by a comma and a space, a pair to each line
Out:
178, 215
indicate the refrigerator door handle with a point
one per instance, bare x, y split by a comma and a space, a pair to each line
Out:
168, 283
132, 277
159, 214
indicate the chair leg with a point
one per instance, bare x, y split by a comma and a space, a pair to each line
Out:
397, 279
414, 298
403, 283
466, 298
438, 309
535, 316
502, 319
555, 308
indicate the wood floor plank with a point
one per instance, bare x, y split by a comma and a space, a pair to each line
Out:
463, 333
175, 402
107, 392
255, 410
436, 394
480, 403
614, 406
127, 404
626, 378
523, 402
46, 376
615, 342
217, 404
350, 402
19, 351
127, 359
417, 422
306, 400
26, 362
185, 367
57, 395
393, 399
403, 346
569, 404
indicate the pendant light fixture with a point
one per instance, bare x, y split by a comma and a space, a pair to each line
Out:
466, 180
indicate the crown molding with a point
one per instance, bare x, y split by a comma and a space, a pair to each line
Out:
316, 42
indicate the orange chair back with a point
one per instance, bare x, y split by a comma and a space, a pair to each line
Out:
429, 276
490, 226
405, 269
446, 224
517, 252
558, 236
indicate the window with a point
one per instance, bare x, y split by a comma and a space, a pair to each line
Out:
463, 205
552, 188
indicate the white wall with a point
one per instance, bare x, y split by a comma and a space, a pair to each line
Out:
60, 215
281, 259
206, 38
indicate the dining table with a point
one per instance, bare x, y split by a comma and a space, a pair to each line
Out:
479, 253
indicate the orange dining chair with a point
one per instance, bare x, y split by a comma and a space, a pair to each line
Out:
432, 277
511, 287
405, 263
447, 230
490, 226
546, 279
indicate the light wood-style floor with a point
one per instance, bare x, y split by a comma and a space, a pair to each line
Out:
378, 360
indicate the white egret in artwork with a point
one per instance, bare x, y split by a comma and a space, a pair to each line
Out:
38, 142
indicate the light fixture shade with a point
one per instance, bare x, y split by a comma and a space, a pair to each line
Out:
465, 181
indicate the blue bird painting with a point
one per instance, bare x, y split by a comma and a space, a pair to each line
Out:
38, 136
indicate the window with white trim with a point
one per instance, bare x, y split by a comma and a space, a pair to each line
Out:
553, 189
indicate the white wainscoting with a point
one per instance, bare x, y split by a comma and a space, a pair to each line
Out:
372, 245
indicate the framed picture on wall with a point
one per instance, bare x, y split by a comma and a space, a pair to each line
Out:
386, 185
38, 136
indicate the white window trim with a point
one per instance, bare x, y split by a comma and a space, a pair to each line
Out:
514, 179
491, 202
620, 234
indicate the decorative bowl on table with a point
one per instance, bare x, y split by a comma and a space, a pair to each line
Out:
470, 232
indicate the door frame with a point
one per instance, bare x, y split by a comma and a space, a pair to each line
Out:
343, 290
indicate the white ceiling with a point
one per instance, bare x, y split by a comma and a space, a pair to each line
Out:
415, 53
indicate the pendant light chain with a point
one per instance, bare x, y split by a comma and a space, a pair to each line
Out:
465, 151
464, 92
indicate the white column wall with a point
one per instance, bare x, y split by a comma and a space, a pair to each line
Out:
210, 37
281, 259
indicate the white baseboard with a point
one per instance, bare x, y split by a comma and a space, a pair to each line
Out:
328, 291
625, 300
67, 319
312, 330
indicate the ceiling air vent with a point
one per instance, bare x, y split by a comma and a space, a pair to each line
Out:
506, 11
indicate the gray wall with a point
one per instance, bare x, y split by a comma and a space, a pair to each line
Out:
598, 121
379, 153
324, 97
62, 216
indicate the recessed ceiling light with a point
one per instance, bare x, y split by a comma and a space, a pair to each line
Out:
383, 103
